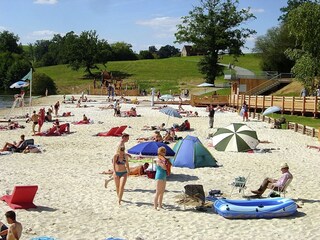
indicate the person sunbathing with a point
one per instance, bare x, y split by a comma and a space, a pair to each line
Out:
9, 146
134, 171
170, 136
66, 114
155, 137
160, 128
184, 126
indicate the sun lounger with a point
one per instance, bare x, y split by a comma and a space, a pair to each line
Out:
111, 132
120, 130
21, 198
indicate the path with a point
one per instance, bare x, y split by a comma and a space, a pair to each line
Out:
239, 70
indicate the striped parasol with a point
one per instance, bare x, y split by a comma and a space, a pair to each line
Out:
236, 137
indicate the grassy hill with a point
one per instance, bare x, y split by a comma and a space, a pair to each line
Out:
165, 74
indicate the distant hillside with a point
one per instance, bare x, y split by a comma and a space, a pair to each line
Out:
165, 74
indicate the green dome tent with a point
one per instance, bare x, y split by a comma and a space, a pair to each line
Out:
191, 153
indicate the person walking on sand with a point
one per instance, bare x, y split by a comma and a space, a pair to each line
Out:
15, 230
56, 108
180, 104
121, 171
161, 177
245, 112
124, 138
211, 116
35, 121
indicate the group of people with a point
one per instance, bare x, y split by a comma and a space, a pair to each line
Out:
121, 170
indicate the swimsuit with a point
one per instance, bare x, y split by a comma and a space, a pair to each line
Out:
123, 162
161, 174
121, 174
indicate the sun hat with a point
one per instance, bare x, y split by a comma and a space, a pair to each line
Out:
284, 165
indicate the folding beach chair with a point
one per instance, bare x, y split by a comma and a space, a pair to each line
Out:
275, 191
120, 130
111, 132
21, 197
240, 183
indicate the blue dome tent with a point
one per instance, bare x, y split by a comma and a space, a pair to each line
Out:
191, 153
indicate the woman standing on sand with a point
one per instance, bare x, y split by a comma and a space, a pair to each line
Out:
120, 171
161, 177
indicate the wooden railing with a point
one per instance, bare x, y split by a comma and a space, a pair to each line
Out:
287, 104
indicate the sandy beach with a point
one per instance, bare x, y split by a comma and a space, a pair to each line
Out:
73, 203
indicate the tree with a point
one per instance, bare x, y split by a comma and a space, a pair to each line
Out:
168, 51
85, 50
9, 43
145, 54
214, 27
291, 5
122, 51
16, 71
272, 47
41, 82
303, 24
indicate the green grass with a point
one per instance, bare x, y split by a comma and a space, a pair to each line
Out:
307, 121
249, 61
173, 74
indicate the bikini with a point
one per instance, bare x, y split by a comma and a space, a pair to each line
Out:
123, 162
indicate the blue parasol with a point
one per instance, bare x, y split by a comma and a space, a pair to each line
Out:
150, 149
20, 84
271, 109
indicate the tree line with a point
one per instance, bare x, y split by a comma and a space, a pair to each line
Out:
84, 50
294, 45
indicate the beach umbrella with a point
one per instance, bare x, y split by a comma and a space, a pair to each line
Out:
166, 97
236, 137
171, 112
271, 109
206, 85
150, 149
20, 84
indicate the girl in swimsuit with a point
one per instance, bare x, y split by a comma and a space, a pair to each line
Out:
161, 176
120, 171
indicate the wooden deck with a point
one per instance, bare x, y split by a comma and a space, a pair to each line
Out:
293, 105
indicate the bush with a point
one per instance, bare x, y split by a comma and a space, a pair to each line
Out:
41, 82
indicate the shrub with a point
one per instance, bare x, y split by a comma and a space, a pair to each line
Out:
41, 82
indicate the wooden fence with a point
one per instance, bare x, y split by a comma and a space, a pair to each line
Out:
287, 104
309, 131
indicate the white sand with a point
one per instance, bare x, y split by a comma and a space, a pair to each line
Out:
73, 203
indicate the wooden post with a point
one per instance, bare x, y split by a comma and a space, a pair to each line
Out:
303, 129
303, 106
271, 101
282, 110
256, 104
263, 102
313, 132
315, 107
292, 106
295, 127
319, 134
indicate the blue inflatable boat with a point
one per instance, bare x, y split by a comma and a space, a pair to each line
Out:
255, 208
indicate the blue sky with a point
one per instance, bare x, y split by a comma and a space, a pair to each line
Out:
142, 23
